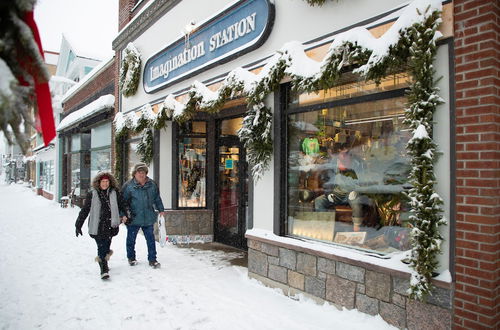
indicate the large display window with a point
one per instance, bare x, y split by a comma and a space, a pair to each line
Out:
192, 155
347, 166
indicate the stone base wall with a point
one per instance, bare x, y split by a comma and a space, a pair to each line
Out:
369, 288
189, 223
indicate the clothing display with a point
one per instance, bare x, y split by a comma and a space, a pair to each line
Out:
310, 146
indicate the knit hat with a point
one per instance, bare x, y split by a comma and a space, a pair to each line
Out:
140, 167
104, 176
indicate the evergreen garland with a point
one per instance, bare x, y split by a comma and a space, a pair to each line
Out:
130, 71
145, 147
426, 209
415, 50
120, 138
316, 2
21, 64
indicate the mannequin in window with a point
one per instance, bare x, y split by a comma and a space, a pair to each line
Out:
340, 179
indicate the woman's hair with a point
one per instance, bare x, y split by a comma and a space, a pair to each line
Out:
113, 183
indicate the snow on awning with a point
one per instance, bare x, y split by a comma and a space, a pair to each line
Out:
102, 103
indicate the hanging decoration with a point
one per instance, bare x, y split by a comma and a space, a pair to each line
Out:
23, 76
409, 43
130, 70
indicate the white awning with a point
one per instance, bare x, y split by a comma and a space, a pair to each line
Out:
102, 103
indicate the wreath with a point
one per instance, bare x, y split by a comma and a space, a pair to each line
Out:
130, 70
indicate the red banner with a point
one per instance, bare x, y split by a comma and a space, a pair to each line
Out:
42, 90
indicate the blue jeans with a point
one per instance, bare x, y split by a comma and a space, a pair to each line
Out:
103, 247
150, 240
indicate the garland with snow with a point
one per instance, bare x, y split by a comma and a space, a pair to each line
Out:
426, 204
409, 43
316, 2
21, 65
130, 70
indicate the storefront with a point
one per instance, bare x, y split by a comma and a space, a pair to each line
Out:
85, 140
299, 152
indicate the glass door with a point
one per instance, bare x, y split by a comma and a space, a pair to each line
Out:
232, 193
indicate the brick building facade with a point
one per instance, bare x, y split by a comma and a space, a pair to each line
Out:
477, 290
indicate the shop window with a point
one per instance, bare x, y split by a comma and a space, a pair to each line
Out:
100, 152
100, 161
192, 150
47, 173
75, 173
347, 168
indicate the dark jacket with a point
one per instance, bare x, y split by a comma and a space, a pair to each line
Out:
105, 229
143, 201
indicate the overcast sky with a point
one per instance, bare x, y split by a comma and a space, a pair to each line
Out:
89, 25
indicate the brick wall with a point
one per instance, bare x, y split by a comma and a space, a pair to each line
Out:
126, 14
476, 35
90, 92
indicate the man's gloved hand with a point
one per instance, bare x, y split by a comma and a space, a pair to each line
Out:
78, 231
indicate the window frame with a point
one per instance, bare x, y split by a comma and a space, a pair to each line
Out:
175, 159
282, 111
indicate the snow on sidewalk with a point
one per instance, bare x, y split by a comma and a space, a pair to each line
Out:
49, 280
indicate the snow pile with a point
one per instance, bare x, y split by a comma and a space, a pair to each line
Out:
102, 103
57, 286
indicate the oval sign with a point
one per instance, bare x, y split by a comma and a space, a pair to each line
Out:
240, 28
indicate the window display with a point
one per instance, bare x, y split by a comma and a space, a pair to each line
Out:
75, 173
100, 160
192, 164
347, 173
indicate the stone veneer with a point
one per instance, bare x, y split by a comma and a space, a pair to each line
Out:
189, 226
347, 283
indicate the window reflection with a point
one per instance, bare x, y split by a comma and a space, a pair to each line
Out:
192, 144
347, 170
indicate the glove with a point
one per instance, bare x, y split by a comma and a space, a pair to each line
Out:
78, 231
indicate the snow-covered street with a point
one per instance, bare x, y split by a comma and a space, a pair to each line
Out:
49, 280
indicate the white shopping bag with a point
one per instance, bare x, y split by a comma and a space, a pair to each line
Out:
162, 230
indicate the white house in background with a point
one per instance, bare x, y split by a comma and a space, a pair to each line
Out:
67, 68
74, 63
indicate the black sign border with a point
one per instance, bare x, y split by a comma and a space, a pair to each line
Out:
260, 42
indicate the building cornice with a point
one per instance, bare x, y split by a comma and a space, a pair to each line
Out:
142, 22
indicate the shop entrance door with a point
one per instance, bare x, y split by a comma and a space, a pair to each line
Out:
232, 192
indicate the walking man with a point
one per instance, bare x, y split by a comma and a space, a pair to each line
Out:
144, 201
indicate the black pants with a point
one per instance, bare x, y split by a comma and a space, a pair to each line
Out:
103, 245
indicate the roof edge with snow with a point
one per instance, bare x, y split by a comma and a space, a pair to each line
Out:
95, 71
103, 103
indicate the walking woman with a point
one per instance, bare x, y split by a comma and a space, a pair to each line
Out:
105, 208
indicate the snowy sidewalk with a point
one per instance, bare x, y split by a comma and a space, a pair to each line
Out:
49, 280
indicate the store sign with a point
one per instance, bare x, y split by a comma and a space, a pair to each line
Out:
237, 30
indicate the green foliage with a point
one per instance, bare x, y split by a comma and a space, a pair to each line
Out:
145, 147
426, 209
120, 138
130, 71
21, 65
316, 2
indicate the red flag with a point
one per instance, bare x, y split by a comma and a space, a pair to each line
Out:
42, 91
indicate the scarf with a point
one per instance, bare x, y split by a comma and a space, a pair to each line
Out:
95, 211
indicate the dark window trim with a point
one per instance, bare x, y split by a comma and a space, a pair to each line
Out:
176, 136
349, 101
281, 101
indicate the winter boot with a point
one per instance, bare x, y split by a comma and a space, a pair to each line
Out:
132, 262
103, 264
108, 255
155, 264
